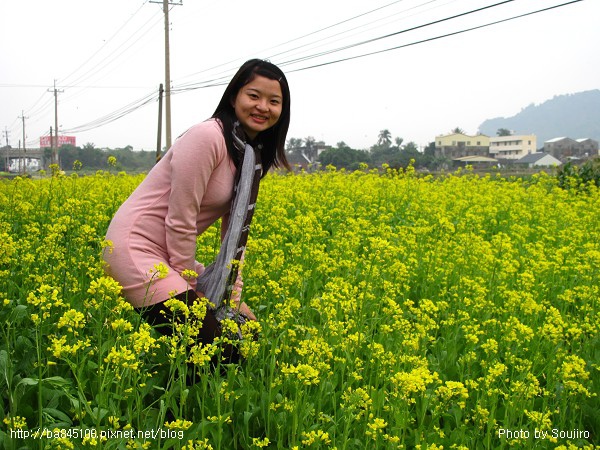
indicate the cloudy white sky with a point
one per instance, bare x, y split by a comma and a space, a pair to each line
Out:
108, 56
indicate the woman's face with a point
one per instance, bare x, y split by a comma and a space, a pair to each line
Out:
258, 105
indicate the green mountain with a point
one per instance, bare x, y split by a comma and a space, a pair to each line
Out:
571, 115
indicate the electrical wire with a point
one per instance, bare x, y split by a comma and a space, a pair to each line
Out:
298, 38
105, 43
219, 81
362, 29
386, 36
111, 58
437, 37
210, 83
115, 115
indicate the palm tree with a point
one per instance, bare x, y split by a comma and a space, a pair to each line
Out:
385, 138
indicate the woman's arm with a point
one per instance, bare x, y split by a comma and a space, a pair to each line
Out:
196, 154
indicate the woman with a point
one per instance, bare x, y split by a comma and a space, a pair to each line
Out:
190, 188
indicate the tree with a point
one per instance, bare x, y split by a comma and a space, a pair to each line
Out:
385, 138
294, 147
343, 157
305, 149
430, 149
411, 147
458, 130
432, 162
503, 132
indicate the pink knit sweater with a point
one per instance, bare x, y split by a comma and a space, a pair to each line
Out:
186, 192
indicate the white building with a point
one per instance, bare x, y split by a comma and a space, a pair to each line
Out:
512, 147
539, 159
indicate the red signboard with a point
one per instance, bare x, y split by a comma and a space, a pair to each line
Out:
45, 141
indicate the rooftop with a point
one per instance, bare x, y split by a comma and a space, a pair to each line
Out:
534, 157
475, 158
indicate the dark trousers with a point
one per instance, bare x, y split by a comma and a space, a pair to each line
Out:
162, 318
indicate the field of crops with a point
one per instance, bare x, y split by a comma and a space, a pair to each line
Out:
397, 311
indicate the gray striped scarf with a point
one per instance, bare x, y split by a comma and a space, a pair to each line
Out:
218, 280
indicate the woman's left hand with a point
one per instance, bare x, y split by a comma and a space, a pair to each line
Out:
243, 308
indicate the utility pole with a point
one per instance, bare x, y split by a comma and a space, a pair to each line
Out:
6, 133
159, 138
22, 165
55, 140
24, 154
166, 4
22, 117
51, 142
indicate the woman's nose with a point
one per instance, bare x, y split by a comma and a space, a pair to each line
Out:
262, 105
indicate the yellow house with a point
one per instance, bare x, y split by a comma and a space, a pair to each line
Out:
456, 145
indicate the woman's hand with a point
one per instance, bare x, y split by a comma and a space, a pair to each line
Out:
243, 308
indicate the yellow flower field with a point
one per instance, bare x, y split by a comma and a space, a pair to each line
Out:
395, 312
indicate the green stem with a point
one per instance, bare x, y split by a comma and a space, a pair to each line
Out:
39, 385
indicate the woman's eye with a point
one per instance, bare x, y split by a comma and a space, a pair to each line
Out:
275, 102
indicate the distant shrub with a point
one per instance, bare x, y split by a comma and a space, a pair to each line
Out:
573, 176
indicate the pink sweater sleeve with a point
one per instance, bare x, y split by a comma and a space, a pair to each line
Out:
195, 156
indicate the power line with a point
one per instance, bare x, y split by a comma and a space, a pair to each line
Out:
368, 41
109, 59
300, 37
115, 115
434, 38
320, 42
219, 81
107, 41
226, 73
223, 80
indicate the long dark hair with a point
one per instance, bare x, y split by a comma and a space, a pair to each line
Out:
273, 139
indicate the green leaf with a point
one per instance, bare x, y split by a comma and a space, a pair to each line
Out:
18, 313
4, 364
28, 382
56, 414
56, 381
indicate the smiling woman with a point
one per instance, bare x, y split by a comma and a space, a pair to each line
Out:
194, 185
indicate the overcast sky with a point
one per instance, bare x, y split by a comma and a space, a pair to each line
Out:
108, 57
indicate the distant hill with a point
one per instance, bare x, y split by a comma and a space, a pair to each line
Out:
571, 115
